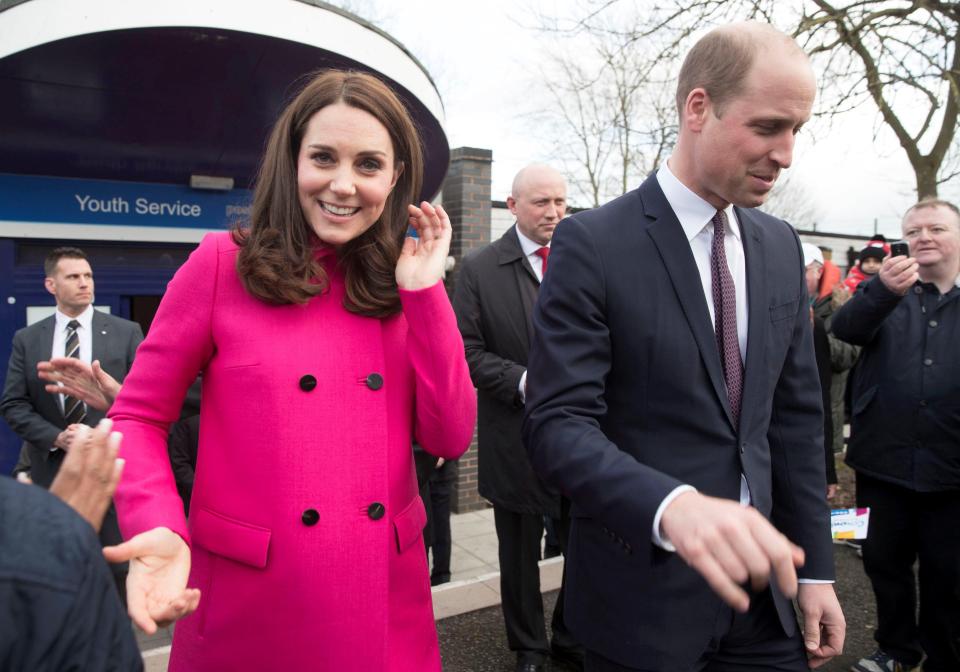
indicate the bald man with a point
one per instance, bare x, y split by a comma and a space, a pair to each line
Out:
673, 391
495, 293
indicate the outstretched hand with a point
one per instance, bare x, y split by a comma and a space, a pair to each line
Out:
157, 592
87, 382
422, 261
729, 544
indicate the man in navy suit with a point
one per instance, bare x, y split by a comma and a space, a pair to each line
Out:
673, 396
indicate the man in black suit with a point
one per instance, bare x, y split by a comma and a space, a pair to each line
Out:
673, 393
495, 293
47, 422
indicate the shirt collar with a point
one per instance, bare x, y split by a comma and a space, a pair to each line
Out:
85, 318
693, 212
528, 246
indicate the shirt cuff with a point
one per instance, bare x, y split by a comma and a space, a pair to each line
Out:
522, 388
815, 581
659, 540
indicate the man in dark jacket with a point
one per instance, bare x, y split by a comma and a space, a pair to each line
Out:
494, 299
905, 440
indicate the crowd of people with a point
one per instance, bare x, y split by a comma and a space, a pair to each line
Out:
661, 382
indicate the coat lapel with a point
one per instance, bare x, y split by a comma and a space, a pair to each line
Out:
751, 234
674, 249
509, 252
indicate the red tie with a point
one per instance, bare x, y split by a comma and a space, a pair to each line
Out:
543, 253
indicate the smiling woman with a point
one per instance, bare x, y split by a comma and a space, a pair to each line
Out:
327, 344
343, 162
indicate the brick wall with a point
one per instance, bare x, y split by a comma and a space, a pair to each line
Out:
466, 198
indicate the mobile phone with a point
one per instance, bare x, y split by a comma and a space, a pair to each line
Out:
900, 249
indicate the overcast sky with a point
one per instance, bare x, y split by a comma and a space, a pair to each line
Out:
483, 59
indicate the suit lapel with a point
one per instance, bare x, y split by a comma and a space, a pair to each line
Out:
99, 333
48, 404
674, 249
751, 234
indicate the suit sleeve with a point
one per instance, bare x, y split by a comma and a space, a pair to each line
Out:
179, 345
798, 475
445, 404
18, 407
497, 376
570, 358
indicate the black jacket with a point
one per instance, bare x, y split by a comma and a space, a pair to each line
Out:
494, 298
906, 388
59, 609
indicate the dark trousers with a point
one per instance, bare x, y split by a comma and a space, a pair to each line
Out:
441, 482
518, 537
750, 642
906, 526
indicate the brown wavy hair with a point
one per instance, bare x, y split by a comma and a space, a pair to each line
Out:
276, 261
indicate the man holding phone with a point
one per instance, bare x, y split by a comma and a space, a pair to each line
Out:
905, 436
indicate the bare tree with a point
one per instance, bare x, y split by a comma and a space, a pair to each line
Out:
902, 56
610, 119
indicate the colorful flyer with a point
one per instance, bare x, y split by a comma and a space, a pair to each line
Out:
850, 523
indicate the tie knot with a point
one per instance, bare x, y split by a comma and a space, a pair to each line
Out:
73, 324
720, 222
542, 252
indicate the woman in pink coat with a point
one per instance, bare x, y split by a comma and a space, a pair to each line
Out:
327, 345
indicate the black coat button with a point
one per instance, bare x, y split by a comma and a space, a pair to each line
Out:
307, 383
374, 381
310, 517
376, 511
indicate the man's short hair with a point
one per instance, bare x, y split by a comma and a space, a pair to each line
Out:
932, 203
50, 263
721, 60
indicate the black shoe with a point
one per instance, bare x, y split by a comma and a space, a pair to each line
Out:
550, 551
529, 667
438, 579
569, 659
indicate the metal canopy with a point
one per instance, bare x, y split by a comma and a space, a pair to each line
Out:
158, 103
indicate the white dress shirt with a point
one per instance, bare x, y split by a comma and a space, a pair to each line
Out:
84, 333
530, 248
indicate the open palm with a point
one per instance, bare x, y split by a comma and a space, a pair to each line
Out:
157, 592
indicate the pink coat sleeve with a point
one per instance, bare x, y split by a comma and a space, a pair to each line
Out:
446, 402
177, 347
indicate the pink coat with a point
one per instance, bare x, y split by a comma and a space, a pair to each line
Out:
305, 525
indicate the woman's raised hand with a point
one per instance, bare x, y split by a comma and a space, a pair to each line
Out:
423, 261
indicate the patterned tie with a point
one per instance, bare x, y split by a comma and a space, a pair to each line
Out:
725, 311
73, 409
543, 253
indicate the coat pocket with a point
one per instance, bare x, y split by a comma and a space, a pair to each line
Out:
229, 537
409, 523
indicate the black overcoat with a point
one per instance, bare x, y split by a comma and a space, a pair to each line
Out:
494, 298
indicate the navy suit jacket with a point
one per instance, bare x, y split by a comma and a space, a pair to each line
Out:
626, 401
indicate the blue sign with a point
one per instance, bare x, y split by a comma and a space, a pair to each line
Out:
28, 198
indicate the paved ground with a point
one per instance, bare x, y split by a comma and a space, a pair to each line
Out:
474, 642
